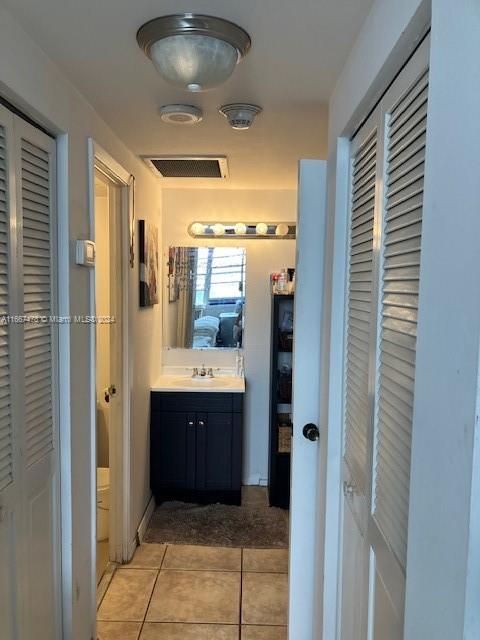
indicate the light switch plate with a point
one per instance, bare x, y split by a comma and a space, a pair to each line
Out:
85, 253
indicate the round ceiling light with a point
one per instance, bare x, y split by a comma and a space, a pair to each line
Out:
198, 229
281, 229
240, 228
218, 229
180, 114
193, 51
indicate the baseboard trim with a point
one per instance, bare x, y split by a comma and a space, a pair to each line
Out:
131, 549
142, 527
255, 480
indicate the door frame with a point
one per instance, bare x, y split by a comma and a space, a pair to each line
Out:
99, 159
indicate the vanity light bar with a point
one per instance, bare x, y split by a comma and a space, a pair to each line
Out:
247, 230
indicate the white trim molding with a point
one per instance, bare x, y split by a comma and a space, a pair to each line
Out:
144, 522
99, 159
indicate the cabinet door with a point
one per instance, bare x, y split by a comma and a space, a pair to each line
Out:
218, 451
173, 450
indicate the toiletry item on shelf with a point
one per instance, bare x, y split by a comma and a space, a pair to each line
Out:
283, 282
273, 282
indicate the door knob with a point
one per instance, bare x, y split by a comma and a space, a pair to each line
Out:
311, 432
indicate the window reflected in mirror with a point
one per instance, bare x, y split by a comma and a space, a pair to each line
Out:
206, 297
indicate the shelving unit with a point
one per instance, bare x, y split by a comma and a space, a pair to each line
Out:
280, 403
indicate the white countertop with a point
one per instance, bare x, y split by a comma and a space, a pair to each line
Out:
184, 382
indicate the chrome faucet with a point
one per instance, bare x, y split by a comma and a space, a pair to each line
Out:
203, 372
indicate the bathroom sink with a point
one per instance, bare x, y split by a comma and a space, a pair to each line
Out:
220, 383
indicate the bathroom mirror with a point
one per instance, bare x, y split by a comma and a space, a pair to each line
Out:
205, 298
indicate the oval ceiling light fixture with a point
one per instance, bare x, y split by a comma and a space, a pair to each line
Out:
240, 116
180, 114
193, 51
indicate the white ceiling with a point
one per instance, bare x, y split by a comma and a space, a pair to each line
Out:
299, 47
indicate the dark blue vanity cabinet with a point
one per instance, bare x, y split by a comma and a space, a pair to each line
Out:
196, 446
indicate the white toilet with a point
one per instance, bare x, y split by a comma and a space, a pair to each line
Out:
103, 502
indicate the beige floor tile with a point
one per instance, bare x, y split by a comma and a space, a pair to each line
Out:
264, 598
118, 630
265, 560
196, 558
196, 596
148, 556
128, 595
179, 631
253, 632
254, 496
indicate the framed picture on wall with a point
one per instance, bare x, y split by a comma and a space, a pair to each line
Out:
148, 258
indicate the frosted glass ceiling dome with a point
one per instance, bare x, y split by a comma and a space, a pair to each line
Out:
192, 51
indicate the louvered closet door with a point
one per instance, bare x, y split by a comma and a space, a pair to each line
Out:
10, 478
405, 116
380, 338
358, 379
36, 250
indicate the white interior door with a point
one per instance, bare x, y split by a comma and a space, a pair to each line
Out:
109, 302
29, 441
116, 371
305, 557
386, 202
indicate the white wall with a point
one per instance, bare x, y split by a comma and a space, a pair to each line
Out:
445, 421
30, 80
180, 208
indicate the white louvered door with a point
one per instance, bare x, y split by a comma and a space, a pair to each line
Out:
358, 379
382, 306
28, 380
9, 442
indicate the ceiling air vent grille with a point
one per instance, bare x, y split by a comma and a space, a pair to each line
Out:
188, 167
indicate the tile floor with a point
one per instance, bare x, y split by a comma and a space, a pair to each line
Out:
181, 592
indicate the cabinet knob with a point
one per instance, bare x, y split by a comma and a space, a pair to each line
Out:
190, 423
201, 423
